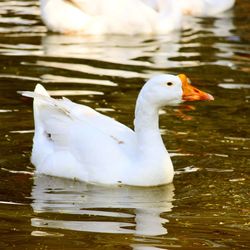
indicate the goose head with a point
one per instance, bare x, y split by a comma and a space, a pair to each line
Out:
167, 90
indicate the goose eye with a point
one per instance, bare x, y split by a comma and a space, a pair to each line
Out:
169, 83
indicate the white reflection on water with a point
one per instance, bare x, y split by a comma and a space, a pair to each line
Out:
219, 32
234, 86
149, 51
219, 25
125, 209
73, 92
224, 26
90, 69
70, 80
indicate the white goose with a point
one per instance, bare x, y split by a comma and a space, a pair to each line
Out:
74, 141
204, 7
110, 16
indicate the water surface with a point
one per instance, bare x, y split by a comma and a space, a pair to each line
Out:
206, 207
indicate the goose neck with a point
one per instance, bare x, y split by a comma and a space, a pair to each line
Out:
146, 118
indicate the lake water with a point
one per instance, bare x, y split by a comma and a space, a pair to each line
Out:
206, 207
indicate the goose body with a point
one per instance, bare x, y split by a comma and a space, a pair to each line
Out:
74, 141
110, 16
204, 7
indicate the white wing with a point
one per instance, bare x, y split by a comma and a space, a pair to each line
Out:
67, 133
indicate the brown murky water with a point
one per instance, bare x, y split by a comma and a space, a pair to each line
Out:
208, 204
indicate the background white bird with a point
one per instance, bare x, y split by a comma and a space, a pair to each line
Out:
110, 16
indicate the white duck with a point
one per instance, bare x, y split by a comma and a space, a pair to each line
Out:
74, 141
110, 16
204, 7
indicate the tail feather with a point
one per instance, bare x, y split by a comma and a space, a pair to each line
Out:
51, 115
41, 98
39, 89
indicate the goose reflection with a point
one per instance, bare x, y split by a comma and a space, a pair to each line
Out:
219, 33
146, 51
64, 204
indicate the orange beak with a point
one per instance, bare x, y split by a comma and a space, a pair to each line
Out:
191, 93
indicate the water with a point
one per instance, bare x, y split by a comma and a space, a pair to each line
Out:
206, 207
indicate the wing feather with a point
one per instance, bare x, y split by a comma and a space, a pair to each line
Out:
56, 116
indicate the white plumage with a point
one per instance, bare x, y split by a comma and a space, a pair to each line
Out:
126, 17
204, 7
110, 16
74, 141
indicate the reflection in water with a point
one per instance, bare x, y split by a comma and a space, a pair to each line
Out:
137, 50
221, 25
217, 32
122, 209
